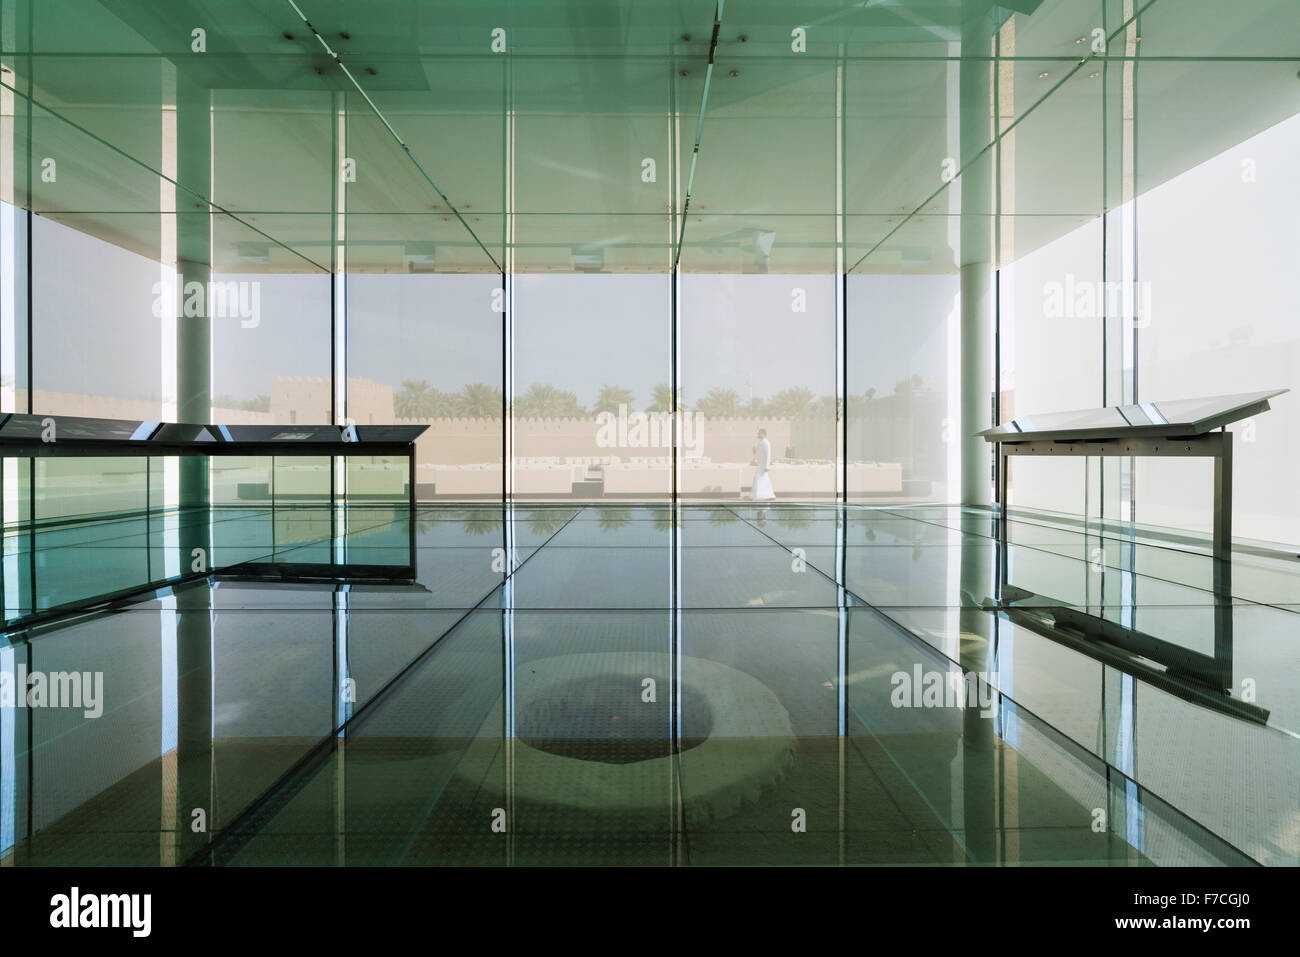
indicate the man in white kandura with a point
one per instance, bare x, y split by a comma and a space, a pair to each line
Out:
762, 491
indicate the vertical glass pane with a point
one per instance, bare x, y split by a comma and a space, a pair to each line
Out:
592, 405
758, 384
96, 348
1232, 216
270, 332
1053, 304
14, 372
902, 349
426, 349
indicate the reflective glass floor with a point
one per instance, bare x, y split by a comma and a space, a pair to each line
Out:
669, 686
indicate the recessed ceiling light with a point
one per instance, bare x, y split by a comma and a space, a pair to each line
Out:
734, 73
1081, 40
1043, 75
1093, 76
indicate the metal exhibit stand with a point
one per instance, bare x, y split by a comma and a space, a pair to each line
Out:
1186, 428
43, 436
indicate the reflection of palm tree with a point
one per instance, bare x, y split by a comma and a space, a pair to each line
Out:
663, 400
612, 519
722, 516
611, 397
479, 401
481, 521
543, 401
476, 521
794, 520
545, 521
719, 404
663, 518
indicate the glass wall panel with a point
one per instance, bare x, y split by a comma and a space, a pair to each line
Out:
1052, 309
901, 340
757, 360
1219, 252
769, 127
272, 165
270, 316
591, 165
894, 107
13, 306
96, 347
591, 415
427, 350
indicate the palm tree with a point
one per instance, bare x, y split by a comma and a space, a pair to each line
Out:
443, 405
719, 404
543, 401
413, 398
828, 406
611, 397
479, 401
791, 403
662, 401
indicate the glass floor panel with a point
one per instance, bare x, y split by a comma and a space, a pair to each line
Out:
724, 685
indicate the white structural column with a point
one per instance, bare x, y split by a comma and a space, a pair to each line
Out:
976, 257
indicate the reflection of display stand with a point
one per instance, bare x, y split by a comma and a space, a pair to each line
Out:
1180, 429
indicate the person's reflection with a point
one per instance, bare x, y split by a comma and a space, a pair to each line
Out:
762, 490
